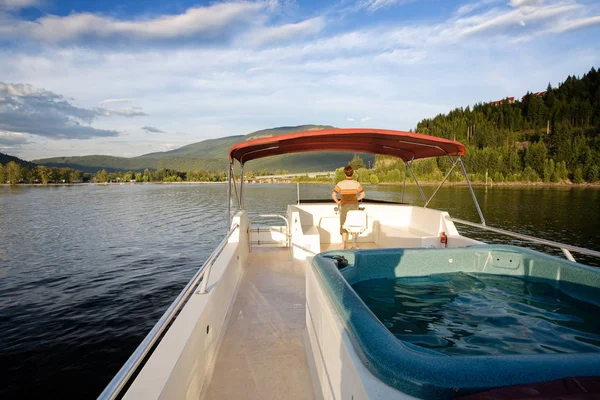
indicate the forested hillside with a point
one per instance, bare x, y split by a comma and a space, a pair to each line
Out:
5, 159
551, 136
13, 170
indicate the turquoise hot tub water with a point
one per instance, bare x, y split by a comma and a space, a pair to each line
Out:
449, 322
482, 314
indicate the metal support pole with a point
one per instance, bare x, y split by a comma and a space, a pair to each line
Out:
417, 182
298, 191
403, 185
235, 188
462, 166
443, 181
242, 189
229, 195
568, 254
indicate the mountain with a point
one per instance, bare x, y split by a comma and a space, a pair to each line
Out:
5, 159
211, 155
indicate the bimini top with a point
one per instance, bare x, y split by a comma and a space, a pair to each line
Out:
406, 145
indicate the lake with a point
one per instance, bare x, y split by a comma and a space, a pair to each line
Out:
86, 271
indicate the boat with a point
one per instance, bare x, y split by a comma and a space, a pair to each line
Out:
273, 312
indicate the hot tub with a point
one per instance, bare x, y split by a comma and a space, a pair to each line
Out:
384, 365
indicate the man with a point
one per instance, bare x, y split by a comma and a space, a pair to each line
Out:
351, 192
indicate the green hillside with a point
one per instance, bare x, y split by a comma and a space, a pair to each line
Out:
207, 149
5, 159
210, 155
550, 136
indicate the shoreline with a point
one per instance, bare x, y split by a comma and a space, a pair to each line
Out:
474, 184
109, 184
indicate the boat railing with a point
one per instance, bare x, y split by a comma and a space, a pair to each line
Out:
116, 385
258, 229
566, 248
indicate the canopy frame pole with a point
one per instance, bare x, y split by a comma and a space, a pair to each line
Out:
403, 186
236, 190
242, 189
229, 195
404, 182
409, 165
464, 171
454, 164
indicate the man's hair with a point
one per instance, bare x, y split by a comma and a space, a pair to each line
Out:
348, 170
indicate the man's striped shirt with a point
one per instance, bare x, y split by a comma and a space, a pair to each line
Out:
349, 188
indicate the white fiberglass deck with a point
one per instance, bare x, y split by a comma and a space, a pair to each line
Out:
263, 355
361, 245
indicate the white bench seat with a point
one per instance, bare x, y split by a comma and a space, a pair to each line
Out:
404, 236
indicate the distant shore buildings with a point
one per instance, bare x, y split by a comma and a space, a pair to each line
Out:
511, 100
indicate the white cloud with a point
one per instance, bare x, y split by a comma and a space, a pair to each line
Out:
112, 101
521, 3
286, 32
199, 22
374, 5
500, 21
365, 119
11, 140
350, 119
122, 112
25, 108
18, 4
468, 8
564, 26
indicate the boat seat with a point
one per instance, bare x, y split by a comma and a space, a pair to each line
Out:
356, 223
404, 236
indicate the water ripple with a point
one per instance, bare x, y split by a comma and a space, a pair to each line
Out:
478, 314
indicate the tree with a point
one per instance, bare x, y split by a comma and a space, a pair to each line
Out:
2, 175
549, 170
102, 176
43, 173
394, 176
514, 161
13, 172
530, 175
578, 174
339, 175
536, 157
357, 163
561, 172
148, 175
75, 176
374, 179
593, 174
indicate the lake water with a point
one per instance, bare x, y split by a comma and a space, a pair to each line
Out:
86, 271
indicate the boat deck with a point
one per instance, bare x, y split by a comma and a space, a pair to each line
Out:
263, 355
359, 245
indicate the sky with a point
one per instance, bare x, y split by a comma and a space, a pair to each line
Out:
119, 78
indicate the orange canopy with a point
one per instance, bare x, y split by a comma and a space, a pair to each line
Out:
406, 145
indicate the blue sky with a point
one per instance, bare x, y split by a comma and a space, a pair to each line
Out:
128, 78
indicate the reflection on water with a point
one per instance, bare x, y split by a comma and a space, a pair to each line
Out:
479, 314
86, 271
